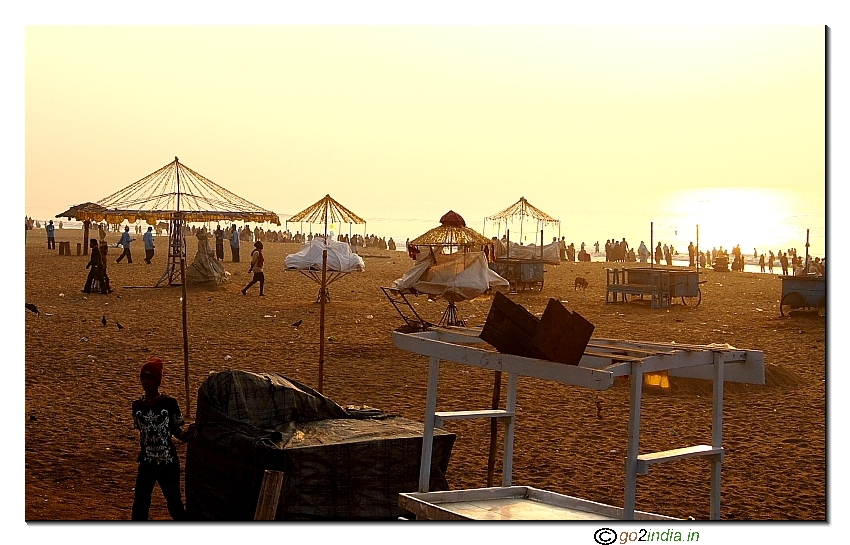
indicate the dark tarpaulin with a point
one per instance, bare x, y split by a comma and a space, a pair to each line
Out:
337, 465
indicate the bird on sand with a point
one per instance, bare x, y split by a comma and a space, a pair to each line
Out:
119, 325
298, 323
103, 320
33, 308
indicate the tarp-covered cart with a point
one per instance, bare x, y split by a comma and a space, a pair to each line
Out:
801, 292
337, 463
603, 360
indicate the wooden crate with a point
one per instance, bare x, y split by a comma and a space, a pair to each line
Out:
562, 335
510, 328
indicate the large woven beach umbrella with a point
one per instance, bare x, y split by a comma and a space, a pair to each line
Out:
523, 209
327, 211
452, 232
177, 194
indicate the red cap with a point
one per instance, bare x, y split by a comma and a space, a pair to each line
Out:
154, 367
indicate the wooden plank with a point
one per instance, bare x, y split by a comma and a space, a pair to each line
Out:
466, 415
644, 461
269, 495
561, 335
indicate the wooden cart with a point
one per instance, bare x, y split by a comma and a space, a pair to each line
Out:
660, 284
522, 274
603, 360
803, 292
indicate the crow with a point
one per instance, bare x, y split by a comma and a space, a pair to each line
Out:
119, 325
298, 323
103, 320
32, 308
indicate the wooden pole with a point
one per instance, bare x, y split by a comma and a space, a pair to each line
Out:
188, 412
651, 246
269, 495
322, 318
86, 225
697, 249
806, 264
494, 423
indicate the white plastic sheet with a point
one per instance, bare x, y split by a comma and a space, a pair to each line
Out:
340, 257
454, 277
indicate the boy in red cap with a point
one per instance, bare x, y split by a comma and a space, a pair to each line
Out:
158, 418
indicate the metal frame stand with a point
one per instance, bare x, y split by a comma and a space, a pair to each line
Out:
176, 252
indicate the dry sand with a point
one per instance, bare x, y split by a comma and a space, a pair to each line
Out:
81, 446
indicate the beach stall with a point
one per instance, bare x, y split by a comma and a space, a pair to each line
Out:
341, 260
445, 270
520, 264
518, 213
601, 362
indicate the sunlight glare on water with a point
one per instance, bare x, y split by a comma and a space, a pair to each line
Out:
760, 218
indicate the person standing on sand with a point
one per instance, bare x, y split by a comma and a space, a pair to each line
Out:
96, 270
51, 240
761, 262
783, 260
234, 244
257, 261
770, 261
149, 247
658, 254
125, 241
219, 243
158, 419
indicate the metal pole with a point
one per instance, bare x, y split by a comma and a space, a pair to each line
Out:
636, 385
494, 427
322, 319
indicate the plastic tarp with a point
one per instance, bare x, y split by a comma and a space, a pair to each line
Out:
340, 257
205, 267
454, 277
551, 253
338, 463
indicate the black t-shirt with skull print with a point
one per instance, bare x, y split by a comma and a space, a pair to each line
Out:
156, 425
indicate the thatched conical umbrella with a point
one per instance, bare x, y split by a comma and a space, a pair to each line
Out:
327, 211
452, 232
523, 209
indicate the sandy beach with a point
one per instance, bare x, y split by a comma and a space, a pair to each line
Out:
82, 376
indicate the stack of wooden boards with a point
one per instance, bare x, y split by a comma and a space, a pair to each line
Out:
558, 335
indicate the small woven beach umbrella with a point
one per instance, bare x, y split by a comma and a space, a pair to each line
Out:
451, 232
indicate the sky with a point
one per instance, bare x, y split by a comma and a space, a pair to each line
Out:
404, 110
405, 122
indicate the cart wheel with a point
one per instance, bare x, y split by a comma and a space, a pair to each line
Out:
822, 307
693, 300
791, 301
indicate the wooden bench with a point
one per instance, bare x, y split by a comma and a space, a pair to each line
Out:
715, 454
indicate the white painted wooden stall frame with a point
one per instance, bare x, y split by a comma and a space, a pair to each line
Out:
603, 360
